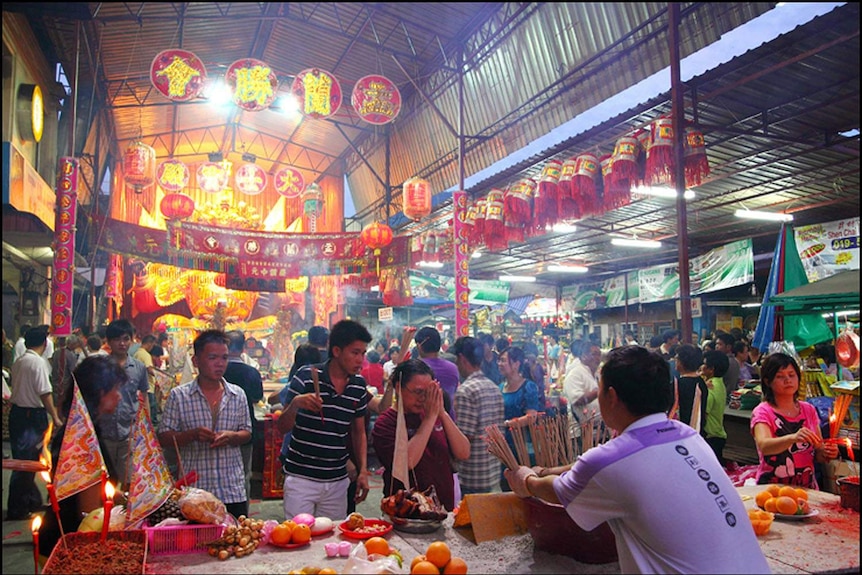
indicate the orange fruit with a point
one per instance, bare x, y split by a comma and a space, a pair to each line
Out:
786, 505
289, 523
301, 534
327, 571
801, 494
377, 545
416, 560
438, 553
771, 505
425, 568
787, 491
773, 488
761, 498
280, 534
455, 566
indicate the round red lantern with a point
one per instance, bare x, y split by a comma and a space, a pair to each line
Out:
417, 198
176, 206
139, 166
376, 236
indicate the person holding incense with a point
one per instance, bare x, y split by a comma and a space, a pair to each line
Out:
99, 379
786, 430
434, 440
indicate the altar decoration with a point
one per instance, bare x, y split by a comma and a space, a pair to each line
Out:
253, 84
567, 203
226, 214
212, 177
63, 280
250, 179
280, 343
173, 175
660, 161
694, 156
395, 287
376, 99
318, 91
494, 228
177, 206
178, 75
417, 198
289, 182
139, 166
325, 290
546, 200
151, 482
376, 236
518, 208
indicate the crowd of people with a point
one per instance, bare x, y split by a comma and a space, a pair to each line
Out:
344, 392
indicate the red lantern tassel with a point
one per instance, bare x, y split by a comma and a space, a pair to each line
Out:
547, 195
494, 229
660, 162
696, 162
586, 172
567, 204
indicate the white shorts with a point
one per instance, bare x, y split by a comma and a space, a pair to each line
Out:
320, 498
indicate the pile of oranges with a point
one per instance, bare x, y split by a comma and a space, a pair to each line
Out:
785, 500
288, 532
437, 559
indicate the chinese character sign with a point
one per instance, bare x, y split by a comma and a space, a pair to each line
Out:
172, 175
376, 99
64, 247
178, 75
289, 182
212, 177
319, 93
250, 179
253, 84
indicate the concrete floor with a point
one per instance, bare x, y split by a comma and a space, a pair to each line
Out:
18, 542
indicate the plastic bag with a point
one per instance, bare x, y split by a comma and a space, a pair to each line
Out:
202, 507
360, 562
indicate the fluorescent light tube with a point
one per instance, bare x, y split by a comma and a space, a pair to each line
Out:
766, 216
424, 264
662, 192
636, 243
515, 279
568, 269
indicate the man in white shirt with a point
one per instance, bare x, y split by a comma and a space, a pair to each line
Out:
579, 385
20, 348
394, 359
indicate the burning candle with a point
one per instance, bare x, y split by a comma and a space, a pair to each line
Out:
34, 529
52, 494
106, 513
104, 483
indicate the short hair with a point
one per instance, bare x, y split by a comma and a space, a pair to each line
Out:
628, 332
689, 357
318, 335
149, 338
406, 370
718, 361
502, 344
739, 347
119, 328
669, 334
770, 367
725, 338
207, 337
25, 327
305, 354
373, 356
428, 340
346, 332
236, 341
486, 339
641, 379
162, 337
582, 347
656, 341
394, 349
36, 336
96, 376
94, 342
471, 348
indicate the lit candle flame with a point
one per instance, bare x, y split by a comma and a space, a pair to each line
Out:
109, 491
46, 477
36, 524
45, 457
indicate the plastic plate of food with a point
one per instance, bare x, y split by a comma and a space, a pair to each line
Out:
291, 545
408, 525
782, 516
371, 528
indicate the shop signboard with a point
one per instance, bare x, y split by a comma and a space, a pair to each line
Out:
826, 249
430, 288
24, 189
599, 295
696, 308
384, 314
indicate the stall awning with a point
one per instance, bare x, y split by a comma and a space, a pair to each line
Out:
835, 293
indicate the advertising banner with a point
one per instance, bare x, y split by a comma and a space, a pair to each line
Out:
599, 295
826, 249
430, 288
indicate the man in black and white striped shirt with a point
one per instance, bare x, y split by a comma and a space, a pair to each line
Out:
316, 478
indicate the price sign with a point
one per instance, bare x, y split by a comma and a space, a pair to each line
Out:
384, 314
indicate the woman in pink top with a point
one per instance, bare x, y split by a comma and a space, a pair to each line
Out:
786, 430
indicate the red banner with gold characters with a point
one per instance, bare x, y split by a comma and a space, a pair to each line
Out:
178, 75
63, 281
462, 265
319, 93
253, 84
376, 99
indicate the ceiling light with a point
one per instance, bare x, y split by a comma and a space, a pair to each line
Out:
375, 288
752, 304
636, 243
219, 93
767, 216
661, 192
288, 104
476, 255
563, 228
570, 269
518, 279
845, 313
424, 264
249, 157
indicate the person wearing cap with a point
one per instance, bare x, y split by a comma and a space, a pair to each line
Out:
32, 405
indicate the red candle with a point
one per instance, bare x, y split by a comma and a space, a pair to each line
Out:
34, 529
104, 483
106, 512
52, 495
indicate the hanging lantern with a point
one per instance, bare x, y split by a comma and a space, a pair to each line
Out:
469, 225
586, 173
660, 162
547, 195
139, 166
625, 172
518, 208
417, 198
494, 228
567, 204
376, 236
177, 206
312, 200
479, 222
429, 247
643, 136
694, 154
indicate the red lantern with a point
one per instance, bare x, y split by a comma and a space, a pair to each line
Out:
518, 208
660, 162
177, 206
494, 229
417, 198
376, 236
547, 195
139, 166
566, 199
586, 173
694, 153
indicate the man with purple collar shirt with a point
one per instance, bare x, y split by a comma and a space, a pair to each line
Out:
658, 485
428, 343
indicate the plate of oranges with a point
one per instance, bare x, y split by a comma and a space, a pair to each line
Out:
290, 535
785, 502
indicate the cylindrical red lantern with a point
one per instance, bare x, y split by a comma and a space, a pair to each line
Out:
176, 206
518, 203
417, 198
567, 200
479, 222
660, 162
586, 172
139, 166
694, 153
494, 229
376, 236
547, 195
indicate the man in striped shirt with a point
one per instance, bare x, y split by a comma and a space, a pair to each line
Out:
316, 478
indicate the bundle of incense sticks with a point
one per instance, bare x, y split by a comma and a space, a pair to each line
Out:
839, 412
499, 447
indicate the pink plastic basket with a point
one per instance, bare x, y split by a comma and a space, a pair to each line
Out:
178, 539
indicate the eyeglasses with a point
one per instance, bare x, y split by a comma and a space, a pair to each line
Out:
420, 394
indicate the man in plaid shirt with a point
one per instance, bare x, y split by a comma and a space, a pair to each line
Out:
478, 403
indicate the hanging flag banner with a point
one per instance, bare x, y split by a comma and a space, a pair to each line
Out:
252, 83
319, 93
724, 267
826, 249
151, 481
80, 462
178, 75
376, 99
63, 280
172, 175
289, 182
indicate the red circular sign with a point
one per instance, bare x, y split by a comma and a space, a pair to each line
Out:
376, 99
250, 179
178, 75
289, 182
253, 84
173, 175
319, 93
